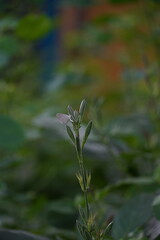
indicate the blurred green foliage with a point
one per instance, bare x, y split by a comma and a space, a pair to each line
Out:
33, 27
38, 188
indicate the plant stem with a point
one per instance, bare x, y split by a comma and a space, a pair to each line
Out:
82, 172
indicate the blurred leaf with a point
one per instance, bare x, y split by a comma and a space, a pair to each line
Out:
8, 45
97, 36
18, 235
156, 207
12, 135
8, 23
104, 37
2, 189
62, 233
132, 215
33, 27
61, 214
64, 206
127, 183
8, 162
157, 173
4, 59
103, 19
132, 129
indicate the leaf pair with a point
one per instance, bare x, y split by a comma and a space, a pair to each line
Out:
76, 116
82, 229
86, 135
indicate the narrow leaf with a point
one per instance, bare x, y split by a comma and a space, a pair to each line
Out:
76, 115
82, 107
70, 111
79, 228
108, 228
11, 133
87, 132
87, 234
70, 134
82, 214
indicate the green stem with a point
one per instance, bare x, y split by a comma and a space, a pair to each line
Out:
85, 187
82, 171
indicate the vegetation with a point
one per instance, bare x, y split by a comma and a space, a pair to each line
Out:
39, 194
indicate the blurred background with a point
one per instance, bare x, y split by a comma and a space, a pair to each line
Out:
56, 53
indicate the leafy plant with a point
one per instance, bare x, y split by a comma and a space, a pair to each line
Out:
86, 225
123, 151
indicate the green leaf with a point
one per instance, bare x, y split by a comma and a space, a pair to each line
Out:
8, 45
76, 115
139, 184
70, 134
33, 27
80, 229
64, 206
8, 23
104, 37
63, 234
19, 235
71, 111
156, 207
103, 19
4, 59
82, 214
82, 108
132, 215
11, 133
87, 132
